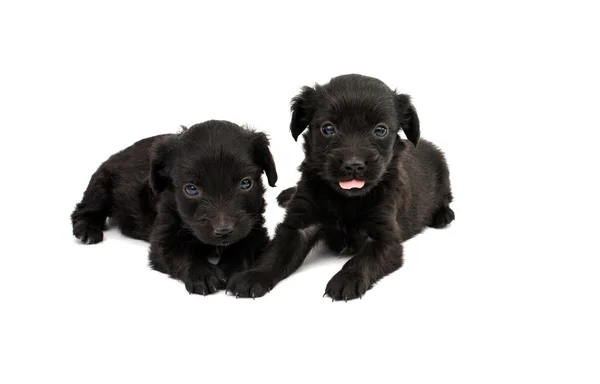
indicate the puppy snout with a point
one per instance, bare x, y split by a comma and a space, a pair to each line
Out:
354, 165
223, 227
223, 232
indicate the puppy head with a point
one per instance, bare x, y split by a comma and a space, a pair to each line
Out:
353, 124
214, 172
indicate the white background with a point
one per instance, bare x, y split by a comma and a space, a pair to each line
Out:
508, 293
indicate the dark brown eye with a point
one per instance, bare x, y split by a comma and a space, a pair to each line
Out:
328, 129
191, 190
380, 130
246, 184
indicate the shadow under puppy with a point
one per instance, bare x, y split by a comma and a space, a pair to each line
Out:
193, 195
363, 189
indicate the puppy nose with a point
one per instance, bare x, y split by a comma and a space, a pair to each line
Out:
223, 231
354, 165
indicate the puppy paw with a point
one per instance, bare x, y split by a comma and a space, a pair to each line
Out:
346, 285
205, 280
251, 283
87, 233
442, 217
285, 196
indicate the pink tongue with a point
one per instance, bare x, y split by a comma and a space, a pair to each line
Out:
352, 184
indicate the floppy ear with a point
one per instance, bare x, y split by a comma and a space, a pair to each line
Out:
161, 162
263, 157
409, 120
302, 111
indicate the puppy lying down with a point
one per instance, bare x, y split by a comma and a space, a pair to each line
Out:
363, 189
193, 195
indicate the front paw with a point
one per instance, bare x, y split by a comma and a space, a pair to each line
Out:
252, 283
205, 280
347, 285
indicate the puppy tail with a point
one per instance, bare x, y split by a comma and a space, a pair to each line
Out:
285, 196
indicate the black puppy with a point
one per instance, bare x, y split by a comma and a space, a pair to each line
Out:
363, 189
192, 195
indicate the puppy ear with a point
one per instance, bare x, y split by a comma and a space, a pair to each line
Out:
263, 157
161, 162
409, 120
302, 111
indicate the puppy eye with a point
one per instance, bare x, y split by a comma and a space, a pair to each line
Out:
328, 129
246, 183
380, 130
191, 190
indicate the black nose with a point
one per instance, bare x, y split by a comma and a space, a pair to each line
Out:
223, 231
354, 165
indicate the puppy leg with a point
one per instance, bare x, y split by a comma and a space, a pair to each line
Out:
380, 255
293, 239
203, 277
89, 217
282, 257
177, 253
241, 256
194, 270
444, 215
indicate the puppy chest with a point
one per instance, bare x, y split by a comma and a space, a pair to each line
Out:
346, 214
344, 237
348, 227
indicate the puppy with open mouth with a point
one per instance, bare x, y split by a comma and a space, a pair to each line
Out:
363, 189
193, 195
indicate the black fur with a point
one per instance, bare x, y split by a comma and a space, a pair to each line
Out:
406, 188
142, 190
